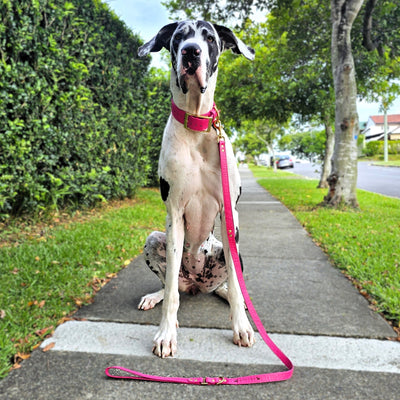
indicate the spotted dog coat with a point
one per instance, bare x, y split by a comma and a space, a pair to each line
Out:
188, 257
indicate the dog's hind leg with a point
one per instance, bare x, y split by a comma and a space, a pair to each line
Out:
151, 300
155, 257
222, 291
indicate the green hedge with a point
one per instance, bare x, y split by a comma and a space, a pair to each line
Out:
74, 106
376, 147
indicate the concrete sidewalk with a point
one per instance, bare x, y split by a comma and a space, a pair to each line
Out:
338, 345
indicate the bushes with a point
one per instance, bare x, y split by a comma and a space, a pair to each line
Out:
373, 148
74, 106
157, 111
376, 147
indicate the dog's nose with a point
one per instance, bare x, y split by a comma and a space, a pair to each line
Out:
191, 51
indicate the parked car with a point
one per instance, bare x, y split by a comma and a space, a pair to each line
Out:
284, 162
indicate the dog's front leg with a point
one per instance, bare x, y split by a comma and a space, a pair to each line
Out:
165, 341
243, 334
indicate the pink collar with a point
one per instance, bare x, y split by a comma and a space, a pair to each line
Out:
201, 123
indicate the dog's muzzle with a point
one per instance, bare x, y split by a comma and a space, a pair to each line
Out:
191, 54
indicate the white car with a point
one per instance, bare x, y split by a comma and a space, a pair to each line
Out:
284, 162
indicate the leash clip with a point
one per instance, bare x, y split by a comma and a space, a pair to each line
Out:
217, 124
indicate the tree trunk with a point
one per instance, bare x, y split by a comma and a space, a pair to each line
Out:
271, 150
327, 165
343, 178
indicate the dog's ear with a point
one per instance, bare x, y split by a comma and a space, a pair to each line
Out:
230, 41
162, 39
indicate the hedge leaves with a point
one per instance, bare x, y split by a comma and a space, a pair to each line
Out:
74, 106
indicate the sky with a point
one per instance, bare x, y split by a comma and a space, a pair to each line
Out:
146, 17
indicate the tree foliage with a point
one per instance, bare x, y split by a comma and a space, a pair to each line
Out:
309, 144
297, 35
249, 90
73, 105
257, 137
301, 30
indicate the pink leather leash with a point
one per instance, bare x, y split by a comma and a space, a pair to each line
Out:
124, 373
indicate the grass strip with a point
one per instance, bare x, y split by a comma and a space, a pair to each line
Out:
46, 278
388, 163
365, 244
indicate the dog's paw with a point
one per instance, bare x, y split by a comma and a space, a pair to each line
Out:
165, 343
151, 300
244, 338
243, 333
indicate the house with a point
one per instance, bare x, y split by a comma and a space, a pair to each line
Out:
374, 128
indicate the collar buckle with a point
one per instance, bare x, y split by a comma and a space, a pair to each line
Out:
186, 120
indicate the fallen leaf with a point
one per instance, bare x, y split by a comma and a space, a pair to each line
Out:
49, 347
127, 262
64, 319
21, 356
2, 314
41, 332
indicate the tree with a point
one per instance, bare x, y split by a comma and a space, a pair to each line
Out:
383, 45
251, 90
257, 137
279, 82
343, 178
375, 31
309, 144
307, 78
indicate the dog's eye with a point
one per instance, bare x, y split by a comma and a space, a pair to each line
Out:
178, 36
210, 39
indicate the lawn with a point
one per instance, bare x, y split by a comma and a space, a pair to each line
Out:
50, 271
364, 244
394, 160
394, 163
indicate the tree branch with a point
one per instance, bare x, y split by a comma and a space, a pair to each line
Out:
368, 42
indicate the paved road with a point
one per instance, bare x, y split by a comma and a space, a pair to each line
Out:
383, 180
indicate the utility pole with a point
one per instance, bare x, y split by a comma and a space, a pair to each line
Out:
385, 136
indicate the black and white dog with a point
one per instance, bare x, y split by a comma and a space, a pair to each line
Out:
188, 257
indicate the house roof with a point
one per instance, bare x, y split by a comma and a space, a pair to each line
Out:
392, 119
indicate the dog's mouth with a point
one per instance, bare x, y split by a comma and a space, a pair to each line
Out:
190, 69
192, 74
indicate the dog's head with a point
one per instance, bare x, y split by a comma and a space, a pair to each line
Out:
195, 47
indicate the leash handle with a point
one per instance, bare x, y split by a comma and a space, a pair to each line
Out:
124, 373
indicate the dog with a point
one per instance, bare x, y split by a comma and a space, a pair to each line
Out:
188, 257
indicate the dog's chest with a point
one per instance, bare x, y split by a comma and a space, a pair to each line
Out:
189, 161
